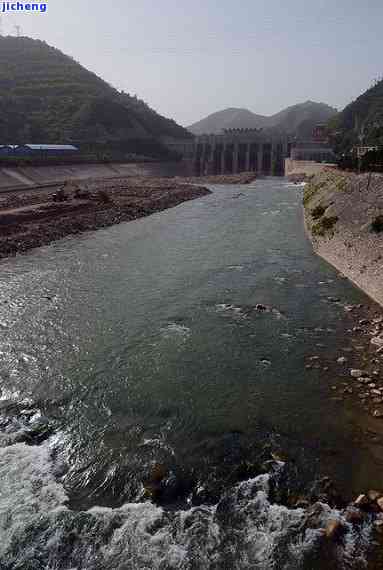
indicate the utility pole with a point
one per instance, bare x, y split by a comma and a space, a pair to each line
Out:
18, 31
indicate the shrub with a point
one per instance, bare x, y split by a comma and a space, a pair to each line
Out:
318, 212
341, 185
377, 224
324, 225
309, 191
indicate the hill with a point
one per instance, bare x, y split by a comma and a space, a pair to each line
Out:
47, 97
298, 119
361, 122
301, 118
231, 118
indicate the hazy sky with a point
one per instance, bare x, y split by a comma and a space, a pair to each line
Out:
190, 58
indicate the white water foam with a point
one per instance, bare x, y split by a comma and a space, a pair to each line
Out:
27, 489
244, 531
175, 330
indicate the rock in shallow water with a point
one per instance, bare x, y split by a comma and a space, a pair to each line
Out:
377, 341
362, 501
356, 373
334, 529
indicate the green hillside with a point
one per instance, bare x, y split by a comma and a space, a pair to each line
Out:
47, 97
361, 122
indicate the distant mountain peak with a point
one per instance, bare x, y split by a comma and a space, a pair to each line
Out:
297, 119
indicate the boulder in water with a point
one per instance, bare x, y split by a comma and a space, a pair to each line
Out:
374, 495
362, 501
354, 516
334, 529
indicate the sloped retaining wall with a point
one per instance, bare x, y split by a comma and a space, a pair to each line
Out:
342, 213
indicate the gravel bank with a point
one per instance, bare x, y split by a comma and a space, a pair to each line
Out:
34, 218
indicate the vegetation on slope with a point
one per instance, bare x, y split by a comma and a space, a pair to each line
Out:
47, 97
361, 122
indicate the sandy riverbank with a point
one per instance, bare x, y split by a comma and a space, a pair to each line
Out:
33, 218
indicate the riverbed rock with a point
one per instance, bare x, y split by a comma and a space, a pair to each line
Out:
377, 341
379, 502
374, 495
356, 373
377, 414
364, 380
334, 529
300, 503
342, 360
362, 501
354, 516
377, 400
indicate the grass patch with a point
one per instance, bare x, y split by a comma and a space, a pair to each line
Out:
341, 185
324, 225
310, 190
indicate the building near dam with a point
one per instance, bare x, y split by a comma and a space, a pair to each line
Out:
38, 150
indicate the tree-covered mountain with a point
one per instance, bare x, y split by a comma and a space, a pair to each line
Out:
300, 119
296, 120
361, 122
47, 97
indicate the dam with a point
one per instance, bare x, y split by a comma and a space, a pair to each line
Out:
234, 151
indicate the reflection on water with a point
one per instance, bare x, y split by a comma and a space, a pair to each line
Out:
160, 364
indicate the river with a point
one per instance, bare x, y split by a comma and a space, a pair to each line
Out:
157, 411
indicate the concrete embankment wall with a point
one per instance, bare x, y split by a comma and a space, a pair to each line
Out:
304, 167
24, 177
342, 212
13, 178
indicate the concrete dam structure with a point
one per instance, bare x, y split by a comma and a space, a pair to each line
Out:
235, 151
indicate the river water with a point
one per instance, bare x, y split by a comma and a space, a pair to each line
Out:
156, 407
